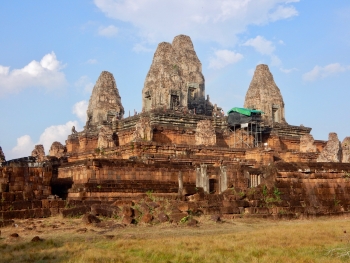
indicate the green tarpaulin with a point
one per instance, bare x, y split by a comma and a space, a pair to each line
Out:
244, 111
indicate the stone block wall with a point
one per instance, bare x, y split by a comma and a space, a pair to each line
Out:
23, 181
100, 170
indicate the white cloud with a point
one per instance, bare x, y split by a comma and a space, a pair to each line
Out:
284, 70
84, 82
141, 48
46, 73
224, 58
109, 31
261, 45
265, 47
283, 12
4, 70
275, 61
322, 72
220, 20
91, 61
59, 133
79, 109
88, 87
251, 71
56, 133
24, 147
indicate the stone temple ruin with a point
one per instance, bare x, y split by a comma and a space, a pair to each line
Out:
182, 148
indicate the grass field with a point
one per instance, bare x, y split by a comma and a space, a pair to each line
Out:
238, 240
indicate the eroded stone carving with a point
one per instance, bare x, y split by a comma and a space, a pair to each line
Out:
307, 144
143, 130
57, 149
39, 153
105, 138
74, 131
105, 102
345, 145
2, 156
263, 94
205, 133
175, 80
332, 151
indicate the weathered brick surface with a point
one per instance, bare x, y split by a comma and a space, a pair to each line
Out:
76, 211
105, 210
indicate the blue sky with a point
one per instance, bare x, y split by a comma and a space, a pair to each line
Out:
52, 53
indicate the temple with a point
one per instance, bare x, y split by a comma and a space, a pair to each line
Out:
182, 147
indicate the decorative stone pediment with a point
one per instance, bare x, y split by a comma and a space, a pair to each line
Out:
105, 137
57, 149
39, 153
307, 144
143, 130
205, 133
332, 151
345, 145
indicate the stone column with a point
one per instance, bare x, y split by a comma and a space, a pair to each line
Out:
198, 177
223, 179
181, 183
204, 178
255, 180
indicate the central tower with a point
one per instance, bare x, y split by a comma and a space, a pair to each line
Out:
175, 80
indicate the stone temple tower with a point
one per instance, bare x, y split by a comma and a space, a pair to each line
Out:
105, 102
175, 80
263, 94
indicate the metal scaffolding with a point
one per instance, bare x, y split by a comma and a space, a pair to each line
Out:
247, 135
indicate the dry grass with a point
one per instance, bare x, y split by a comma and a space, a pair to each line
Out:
239, 240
